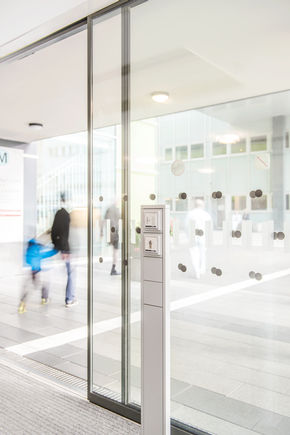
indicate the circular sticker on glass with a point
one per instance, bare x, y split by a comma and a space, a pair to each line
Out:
177, 167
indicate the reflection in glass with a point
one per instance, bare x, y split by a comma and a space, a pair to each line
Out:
197, 151
181, 153
168, 154
259, 203
181, 204
238, 147
259, 143
219, 149
239, 202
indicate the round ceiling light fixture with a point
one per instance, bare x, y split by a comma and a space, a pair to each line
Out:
160, 97
228, 139
35, 125
205, 171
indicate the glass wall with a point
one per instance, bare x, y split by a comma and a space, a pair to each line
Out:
223, 171
226, 305
229, 227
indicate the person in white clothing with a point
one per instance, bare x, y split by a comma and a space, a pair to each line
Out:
196, 224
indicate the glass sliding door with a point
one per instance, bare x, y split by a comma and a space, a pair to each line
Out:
108, 186
107, 241
42, 170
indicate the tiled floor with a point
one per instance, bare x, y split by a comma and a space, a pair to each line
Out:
230, 352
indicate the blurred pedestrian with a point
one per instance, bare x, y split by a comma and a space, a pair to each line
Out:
35, 253
196, 219
113, 214
60, 239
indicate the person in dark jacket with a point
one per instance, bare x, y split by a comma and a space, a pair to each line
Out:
60, 239
35, 253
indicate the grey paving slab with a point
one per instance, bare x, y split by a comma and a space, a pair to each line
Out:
225, 374
64, 350
17, 334
45, 358
234, 411
5, 342
106, 366
178, 387
273, 424
37, 323
79, 358
46, 331
81, 344
263, 398
235, 324
207, 422
108, 344
239, 353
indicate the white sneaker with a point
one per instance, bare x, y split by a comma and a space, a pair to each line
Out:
71, 303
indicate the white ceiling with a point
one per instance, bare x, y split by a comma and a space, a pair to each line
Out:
202, 52
24, 22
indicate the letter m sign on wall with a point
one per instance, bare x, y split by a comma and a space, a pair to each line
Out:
3, 158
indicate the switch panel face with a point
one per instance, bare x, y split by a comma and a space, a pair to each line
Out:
152, 245
152, 269
152, 293
152, 220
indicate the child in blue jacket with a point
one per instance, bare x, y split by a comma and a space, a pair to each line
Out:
35, 253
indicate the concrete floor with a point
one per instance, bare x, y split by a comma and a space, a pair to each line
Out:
230, 337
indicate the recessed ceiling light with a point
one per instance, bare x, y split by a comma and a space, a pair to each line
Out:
160, 97
35, 125
228, 138
205, 170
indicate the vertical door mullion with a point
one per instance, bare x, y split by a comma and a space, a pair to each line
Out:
125, 54
90, 201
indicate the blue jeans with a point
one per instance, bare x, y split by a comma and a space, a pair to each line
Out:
69, 291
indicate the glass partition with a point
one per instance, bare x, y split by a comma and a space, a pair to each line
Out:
229, 227
223, 171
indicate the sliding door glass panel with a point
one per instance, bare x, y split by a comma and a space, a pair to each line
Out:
229, 227
107, 226
42, 170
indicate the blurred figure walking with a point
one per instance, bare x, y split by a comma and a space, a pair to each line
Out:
196, 219
60, 239
35, 253
113, 214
